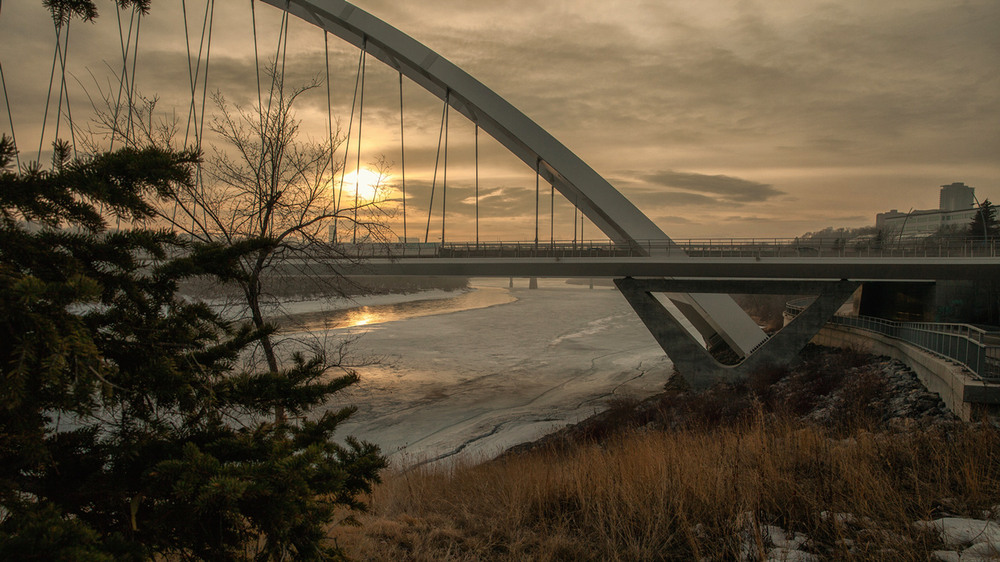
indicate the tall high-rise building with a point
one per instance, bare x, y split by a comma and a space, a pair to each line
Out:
957, 197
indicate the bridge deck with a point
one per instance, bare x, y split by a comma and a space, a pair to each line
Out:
852, 268
700, 248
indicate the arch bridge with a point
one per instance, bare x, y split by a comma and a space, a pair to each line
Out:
648, 275
680, 291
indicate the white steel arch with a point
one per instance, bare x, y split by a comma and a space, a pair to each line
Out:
608, 209
597, 199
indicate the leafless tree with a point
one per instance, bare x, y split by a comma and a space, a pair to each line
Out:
266, 187
261, 185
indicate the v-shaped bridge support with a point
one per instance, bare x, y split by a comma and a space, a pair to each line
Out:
693, 361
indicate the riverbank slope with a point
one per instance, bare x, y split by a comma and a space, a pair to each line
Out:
842, 457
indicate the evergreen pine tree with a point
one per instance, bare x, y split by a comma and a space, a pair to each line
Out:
984, 223
126, 429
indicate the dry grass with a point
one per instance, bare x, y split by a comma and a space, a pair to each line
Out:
700, 476
698, 493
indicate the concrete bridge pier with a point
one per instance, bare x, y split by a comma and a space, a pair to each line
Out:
693, 361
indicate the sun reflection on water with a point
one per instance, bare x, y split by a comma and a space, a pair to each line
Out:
367, 317
362, 317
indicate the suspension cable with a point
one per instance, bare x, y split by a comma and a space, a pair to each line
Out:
122, 81
194, 76
274, 74
538, 163
552, 215
437, 157
135, 57
444, 182
281, 50
347, 148
208, 61
204, 86
48, 95
284, 51
575, 211
126, 81
256, 55
62, 80
124, 74
329, 116
63, 53
191, 76
10, 115
194, 73
477, 186
210, 16
173, 215
402, 152
361, 118
256, 67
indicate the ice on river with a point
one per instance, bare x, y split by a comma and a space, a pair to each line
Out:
469, 384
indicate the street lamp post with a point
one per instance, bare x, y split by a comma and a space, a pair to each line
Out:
982, 211
902, 229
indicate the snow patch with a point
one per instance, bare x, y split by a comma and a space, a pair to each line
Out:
962, 531
980, 539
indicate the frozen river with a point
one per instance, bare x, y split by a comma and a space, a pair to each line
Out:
470, 375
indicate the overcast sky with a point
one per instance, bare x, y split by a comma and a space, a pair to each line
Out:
716, 118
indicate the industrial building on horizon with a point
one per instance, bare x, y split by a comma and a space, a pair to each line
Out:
956, 208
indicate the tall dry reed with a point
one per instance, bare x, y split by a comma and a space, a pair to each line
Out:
703, 493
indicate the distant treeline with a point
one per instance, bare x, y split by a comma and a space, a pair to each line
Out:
830, 233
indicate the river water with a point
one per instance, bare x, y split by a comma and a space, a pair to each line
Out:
468, 375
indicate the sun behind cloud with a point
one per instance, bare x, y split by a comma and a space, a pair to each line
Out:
370, 185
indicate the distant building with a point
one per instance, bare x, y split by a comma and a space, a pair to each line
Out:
882, 219
955, 211
957, 197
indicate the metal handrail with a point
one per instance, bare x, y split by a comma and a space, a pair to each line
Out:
974, 348
757, 248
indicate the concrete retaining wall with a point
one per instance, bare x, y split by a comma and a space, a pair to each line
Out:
967, 397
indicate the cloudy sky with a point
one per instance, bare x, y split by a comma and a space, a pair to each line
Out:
715, 117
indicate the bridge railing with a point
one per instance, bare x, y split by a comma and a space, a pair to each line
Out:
693, 247
839, 247
976, 349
